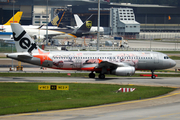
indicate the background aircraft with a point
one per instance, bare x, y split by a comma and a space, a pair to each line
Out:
39, 32
82, 30
7, 36
122, 63
93, 29
17, 18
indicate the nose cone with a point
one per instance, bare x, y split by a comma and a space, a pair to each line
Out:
169, 63
173, 63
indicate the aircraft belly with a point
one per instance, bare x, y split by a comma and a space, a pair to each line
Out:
142, 64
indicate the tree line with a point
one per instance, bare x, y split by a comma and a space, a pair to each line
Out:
157, 2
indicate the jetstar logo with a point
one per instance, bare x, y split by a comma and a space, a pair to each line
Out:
43, 56
24, 42
88, 24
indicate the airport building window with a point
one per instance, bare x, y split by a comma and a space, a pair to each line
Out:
45, 16
37, 21
37, 16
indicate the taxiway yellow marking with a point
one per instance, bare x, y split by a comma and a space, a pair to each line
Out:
109, 105
170, 114
148, 118
160, 116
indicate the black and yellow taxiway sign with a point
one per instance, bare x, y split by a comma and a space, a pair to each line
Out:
53, 87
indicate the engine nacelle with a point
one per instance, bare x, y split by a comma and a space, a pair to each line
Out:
38, 37
124, 71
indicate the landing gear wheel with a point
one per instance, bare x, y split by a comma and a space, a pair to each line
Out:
91, 75
101, 76
153, 77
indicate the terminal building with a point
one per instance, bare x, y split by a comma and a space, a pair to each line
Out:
122, 22
134, 18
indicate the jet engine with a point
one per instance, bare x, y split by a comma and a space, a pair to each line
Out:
123, 71
36, 36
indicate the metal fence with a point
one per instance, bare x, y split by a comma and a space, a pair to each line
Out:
113, 49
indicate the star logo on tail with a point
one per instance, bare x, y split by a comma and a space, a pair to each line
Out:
43, 56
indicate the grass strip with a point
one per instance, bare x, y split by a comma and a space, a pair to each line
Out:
75, 75
25, 97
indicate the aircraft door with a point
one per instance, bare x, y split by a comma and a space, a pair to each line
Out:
156, 58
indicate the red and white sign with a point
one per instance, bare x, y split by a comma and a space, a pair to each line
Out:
126, 89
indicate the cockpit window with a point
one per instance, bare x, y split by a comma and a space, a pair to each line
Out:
166, 57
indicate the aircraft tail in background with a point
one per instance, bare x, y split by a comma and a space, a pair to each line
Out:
57, 20
78, 20
17, 18
84, 28
23, 42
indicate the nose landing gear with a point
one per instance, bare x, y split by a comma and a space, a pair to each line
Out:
153, 76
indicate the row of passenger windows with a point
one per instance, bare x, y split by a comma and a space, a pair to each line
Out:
102, 57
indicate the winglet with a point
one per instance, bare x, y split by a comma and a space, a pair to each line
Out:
17, 18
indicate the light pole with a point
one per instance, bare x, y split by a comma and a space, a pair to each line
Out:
13, 10
13, 1
47, 23
98, 25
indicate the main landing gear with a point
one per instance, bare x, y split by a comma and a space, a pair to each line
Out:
153, 76
92, 75
101, 76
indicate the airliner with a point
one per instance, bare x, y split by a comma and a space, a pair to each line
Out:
39, 31
120, 63
93, 29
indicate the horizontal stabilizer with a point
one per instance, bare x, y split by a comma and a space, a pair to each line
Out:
25, 56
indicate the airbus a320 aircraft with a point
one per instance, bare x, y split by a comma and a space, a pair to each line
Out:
104, 62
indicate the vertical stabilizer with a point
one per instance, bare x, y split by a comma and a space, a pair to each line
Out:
85, 27
23, 42
17, 18
78, 20
57, 20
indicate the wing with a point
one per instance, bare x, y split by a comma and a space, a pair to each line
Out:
98, 66
121, 68
111, 64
